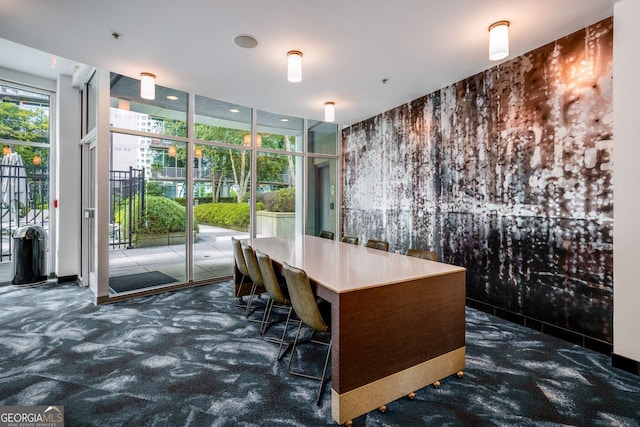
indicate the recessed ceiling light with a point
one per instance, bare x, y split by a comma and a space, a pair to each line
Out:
234, 110
246, 42
172, 97
284, 119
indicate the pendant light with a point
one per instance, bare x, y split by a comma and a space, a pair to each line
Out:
294, 66
499, 40
329, 111
147, 86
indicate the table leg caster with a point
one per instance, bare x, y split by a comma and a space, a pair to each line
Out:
383, 409
460, 374
349, 423
411, 395
436, 384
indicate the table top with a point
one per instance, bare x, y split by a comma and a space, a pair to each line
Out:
343, 267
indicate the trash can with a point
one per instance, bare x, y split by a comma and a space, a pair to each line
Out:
28, 257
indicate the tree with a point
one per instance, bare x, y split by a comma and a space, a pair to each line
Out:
22, 124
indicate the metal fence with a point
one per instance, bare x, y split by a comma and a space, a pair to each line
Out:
126, 207
24, 201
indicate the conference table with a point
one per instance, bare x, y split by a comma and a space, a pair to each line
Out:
397, 322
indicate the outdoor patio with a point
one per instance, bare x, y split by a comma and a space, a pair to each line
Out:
213, 257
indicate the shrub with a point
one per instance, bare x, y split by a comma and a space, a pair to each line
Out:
283, 200
161, 216
235, 215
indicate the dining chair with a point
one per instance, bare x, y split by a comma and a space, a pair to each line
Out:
326, 234
238, 257
306, 308
253, 268
377, 244
422, 253
349, 239
278, 298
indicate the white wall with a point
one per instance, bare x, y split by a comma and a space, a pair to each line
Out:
67, 180
626, 233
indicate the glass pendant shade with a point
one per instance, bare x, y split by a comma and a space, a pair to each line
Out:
294, 66
147, 86
499, 40
329, 111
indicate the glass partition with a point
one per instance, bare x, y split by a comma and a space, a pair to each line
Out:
152, 153
322, 137
279, 132
25, 136
166, 114
322, 205
279, 210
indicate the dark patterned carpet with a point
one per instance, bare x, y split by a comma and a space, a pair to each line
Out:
190, 358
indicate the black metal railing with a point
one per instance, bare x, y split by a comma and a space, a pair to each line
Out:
24, 200
127, 206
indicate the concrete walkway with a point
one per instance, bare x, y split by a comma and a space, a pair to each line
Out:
212, 254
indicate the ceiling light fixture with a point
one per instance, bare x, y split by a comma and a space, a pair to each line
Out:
329, 111
499, 40
147, 86
294, 66
172, 97
234, 110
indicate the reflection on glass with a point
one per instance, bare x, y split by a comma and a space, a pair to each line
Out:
219, 121
322, 137
279, 195
165, 115
321, 195
280, 132
147, 217
221, 189
24, 115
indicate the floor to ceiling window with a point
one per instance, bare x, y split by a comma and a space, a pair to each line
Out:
239, 171
148, 190
322, 175
24, 170
221, 184
279, 185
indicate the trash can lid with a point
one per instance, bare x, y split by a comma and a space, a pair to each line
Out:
28, 232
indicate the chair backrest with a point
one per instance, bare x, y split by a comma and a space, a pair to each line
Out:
271, 283
326, 234
377, 244
238, 256
252, 264
302, 298
422, 253
349, 239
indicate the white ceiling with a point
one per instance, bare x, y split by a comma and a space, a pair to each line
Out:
349, 46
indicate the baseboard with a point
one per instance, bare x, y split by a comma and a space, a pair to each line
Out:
66, 279
626, 364
547, 328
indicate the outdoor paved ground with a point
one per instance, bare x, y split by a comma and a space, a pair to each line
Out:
213, 257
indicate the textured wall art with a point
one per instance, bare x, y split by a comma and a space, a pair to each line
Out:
507, 173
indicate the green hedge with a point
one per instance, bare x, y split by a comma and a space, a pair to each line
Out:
234, 215
161, 216
282, 200
199, 200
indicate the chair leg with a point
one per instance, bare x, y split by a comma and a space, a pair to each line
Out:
324, 372
266, 316
284, 334
238, 298
293, 349
252, 293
